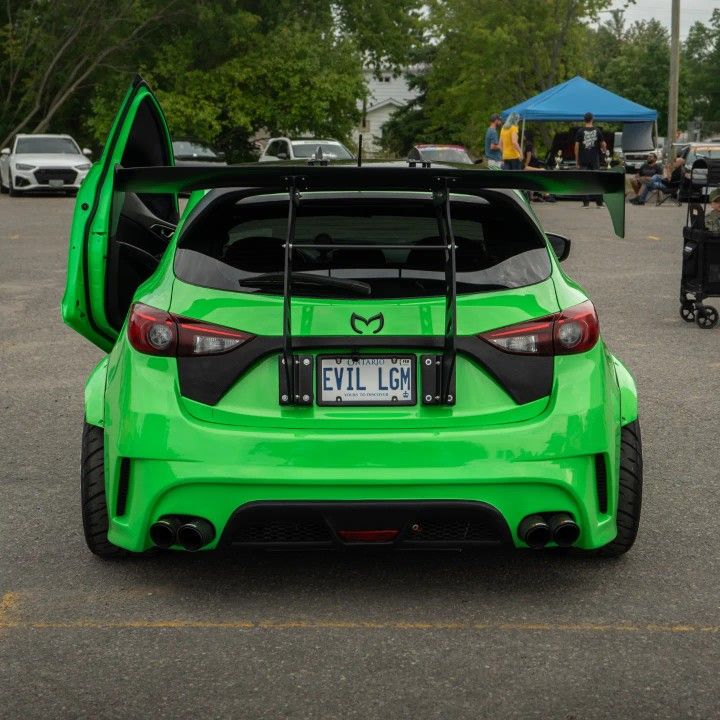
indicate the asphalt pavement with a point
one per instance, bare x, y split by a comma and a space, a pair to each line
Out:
394, 635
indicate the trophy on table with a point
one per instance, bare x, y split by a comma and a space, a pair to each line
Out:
558, 159
608, 158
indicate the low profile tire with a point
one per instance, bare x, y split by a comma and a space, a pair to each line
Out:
630, 495
3, 188
707, 317
13, 192
92, 489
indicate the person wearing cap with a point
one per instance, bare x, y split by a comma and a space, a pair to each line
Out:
493, 155
712, 219
589, 143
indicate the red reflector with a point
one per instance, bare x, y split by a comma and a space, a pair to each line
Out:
368, 535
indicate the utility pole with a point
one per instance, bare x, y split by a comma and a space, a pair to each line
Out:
671, 151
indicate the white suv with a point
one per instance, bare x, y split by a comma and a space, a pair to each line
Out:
43, 163
283, 148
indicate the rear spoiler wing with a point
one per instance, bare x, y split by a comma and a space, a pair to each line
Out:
278, 177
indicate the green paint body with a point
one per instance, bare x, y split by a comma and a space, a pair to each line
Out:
188, 458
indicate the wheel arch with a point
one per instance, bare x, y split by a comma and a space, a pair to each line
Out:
95, 394
628, 393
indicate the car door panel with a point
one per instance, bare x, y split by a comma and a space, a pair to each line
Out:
113, 235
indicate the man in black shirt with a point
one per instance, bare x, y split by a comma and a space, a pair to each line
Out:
589, 143
647, 170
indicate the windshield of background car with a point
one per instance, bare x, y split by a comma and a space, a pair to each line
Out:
330, 150
695, 153
46, 146
228, 247
183, 148
453, 155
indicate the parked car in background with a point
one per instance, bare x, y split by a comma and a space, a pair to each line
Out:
43, 163
698, 176
303, 149
194, 152
440, 153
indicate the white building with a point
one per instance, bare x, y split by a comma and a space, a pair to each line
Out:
385, 95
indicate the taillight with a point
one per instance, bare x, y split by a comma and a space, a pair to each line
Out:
574, 330
577, 329
156, 332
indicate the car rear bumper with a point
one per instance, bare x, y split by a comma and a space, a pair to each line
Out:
161, 461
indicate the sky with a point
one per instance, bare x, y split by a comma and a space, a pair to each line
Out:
690, 11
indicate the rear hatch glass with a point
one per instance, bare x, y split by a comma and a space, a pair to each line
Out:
236, 247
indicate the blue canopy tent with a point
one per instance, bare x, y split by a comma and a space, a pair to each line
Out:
571, 99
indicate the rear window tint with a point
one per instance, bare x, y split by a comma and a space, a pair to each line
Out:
228, 247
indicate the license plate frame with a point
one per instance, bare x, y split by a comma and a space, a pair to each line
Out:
56, 183
357, 361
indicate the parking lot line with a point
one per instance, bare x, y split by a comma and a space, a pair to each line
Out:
11, 618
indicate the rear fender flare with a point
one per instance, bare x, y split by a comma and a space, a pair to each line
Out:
628, 393
95, 394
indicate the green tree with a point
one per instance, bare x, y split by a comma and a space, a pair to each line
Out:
51, 50
701, 61
243, 67
640, 67
490, 55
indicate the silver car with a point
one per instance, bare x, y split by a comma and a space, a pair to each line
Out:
43, 163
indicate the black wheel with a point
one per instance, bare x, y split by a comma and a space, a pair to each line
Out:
630, 495
707, 317
3, 188
687, 312
92, 489
13, 192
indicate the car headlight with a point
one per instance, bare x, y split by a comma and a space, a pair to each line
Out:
84, 166
22, 166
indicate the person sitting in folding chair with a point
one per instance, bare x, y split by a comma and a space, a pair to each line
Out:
712, 219
668, 182
649, 168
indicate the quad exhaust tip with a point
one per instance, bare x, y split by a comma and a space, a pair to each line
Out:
190, 534
195, 534
164, 532
565, 530
537, 532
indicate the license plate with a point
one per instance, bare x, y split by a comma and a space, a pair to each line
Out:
56, 183
365, 380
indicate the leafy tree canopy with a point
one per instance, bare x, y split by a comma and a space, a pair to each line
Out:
701, 60
223, 69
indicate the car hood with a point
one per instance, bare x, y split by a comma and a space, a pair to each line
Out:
51, 160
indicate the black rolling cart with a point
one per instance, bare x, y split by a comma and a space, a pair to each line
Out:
701, 250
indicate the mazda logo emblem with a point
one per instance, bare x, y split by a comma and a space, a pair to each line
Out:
361, 325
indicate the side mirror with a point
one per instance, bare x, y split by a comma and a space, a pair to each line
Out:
5, 151
282, 156
87, 152
560, 245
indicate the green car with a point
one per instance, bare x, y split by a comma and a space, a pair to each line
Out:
335, 355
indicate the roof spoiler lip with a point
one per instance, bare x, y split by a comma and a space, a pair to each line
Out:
378, 176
